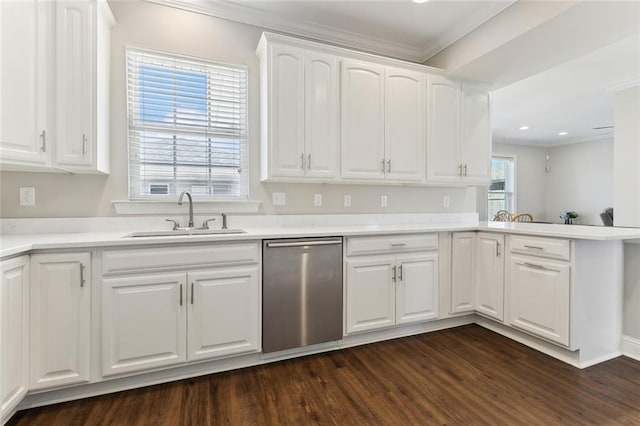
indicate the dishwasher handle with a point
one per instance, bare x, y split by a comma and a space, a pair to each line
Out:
305, 243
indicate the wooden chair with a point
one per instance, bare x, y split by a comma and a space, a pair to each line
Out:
502, 216
522, 217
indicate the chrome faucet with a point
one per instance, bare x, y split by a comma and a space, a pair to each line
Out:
182, 194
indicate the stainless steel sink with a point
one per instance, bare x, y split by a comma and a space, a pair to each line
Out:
183, 232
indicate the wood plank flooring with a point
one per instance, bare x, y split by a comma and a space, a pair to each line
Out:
462, 376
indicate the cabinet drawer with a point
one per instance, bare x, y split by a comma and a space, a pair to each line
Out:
392, 243
542, 247
182, 257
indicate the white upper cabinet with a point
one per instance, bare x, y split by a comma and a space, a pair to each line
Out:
404, 124
459, 140
82, 85
299, 112
443, 142
55, 85
25, 86
475, 154
321, 115
362, 124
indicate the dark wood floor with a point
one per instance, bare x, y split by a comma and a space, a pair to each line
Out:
467, 375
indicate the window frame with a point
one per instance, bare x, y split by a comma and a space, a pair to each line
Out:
242, 198
513, 193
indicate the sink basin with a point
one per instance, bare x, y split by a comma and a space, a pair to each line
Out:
183, 232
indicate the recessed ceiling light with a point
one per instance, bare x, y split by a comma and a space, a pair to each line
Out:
563, 133
524, 128
419, 1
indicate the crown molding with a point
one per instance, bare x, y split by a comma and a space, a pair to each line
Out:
462, 29
623, 85
604, 136
247, 15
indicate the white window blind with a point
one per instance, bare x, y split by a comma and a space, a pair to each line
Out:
187, 127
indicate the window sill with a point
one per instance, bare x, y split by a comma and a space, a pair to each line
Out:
153, 207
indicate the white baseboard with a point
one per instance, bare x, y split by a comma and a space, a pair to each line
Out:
631, 347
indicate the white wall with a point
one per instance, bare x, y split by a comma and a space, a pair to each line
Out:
153, 26
581, 179
530, 177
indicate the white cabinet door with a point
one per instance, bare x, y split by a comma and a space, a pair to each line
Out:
539, 297
74, 91
362, 134
224, 312
417, 288
60, 319
25, 86
143, 322
443, 140
404, 124
462, 271
321, 115
14, 333
370, 300
286, 106
489, 276
476, 135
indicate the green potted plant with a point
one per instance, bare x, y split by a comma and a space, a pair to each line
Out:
568, 217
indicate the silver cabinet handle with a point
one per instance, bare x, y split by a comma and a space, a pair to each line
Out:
393, 277
309, 161
382, 168
534, 247
533, 265
180, 294
465, 169
401, 274
460, 170
302, 161
388, 166
398, 244
305, 243
43, 146
82, 275
497, 248
192, 293
84, 144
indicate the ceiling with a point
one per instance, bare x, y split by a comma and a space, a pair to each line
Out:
396, 28
573, 97
563, 75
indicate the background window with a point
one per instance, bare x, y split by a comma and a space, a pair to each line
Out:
187, 127
502, 187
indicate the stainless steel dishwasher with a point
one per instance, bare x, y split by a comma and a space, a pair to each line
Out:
301, 292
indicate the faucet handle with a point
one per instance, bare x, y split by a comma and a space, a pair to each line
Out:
205, 224
176, 225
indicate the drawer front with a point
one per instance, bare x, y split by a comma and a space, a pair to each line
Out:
182, 257
392, 243
542, 247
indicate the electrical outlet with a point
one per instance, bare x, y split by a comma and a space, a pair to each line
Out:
27, 196
383, 201
445, 201
317, 200
278, 198
347, 200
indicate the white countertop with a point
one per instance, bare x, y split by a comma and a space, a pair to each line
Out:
15, 244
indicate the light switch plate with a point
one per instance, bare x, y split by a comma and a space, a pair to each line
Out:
317, 200
347, 200
446, 201
383, 201
28, 196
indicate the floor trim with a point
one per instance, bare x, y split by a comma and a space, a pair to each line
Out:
631, 347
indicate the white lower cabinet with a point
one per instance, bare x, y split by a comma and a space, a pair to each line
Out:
223, 312
169, 318
539, 297
60, 319
462, 272
489, 275
143, 322
14, 333
393, 289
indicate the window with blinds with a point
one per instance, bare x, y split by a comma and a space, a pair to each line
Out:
187, 127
